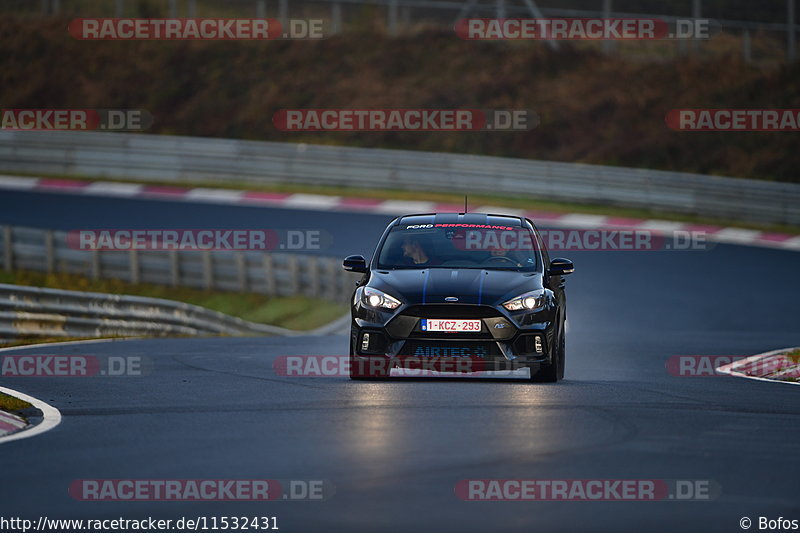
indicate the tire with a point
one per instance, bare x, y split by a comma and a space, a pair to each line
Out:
562, 351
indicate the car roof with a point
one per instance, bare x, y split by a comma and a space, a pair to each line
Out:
461, 218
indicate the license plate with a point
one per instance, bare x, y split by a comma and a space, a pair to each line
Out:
448, 325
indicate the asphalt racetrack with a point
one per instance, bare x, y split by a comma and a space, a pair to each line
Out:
215, 408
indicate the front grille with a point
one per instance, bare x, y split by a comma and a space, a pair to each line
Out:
451, 311
494, 324
449, 336
474, 349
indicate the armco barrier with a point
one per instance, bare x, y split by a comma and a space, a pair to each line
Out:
275, 274
172, 159
35, 312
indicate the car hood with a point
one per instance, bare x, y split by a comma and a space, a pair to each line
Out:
470, 286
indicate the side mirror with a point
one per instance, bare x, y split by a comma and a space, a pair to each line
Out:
355, 263
561, 267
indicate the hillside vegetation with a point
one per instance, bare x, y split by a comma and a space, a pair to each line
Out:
593, 108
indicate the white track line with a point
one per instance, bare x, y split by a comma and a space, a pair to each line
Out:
110, 188
51, 416
311, 201
739, 375
736, 235
224, 196
728, 368
15, 182
578, 220
666, 226
791, 244
404, 206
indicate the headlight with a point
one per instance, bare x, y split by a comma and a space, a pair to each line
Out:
529, 300
375, 298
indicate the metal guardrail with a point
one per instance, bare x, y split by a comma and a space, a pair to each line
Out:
275, 274
174, 159
27, 312
36, 312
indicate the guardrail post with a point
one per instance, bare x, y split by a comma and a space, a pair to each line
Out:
500, 9
134, 264
208, 271
465, 10
261, 9
8, 249
49, 252
283, 14
405, 17
608, 44
537, 13
336, 17
332, 280
313, 276
96, 271
392, 17
791, 51
174, 269
191, 8
294, 273
747, 47
696, 14
241, 270
120, 8
269, 275
345, 285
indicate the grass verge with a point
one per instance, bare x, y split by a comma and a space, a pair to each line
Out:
10, 404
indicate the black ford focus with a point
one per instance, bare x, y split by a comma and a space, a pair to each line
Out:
459, 292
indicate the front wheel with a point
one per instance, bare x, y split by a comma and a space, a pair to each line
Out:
562, 351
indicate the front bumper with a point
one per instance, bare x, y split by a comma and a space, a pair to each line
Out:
506, 340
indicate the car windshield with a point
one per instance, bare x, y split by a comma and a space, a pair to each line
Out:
459, 246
